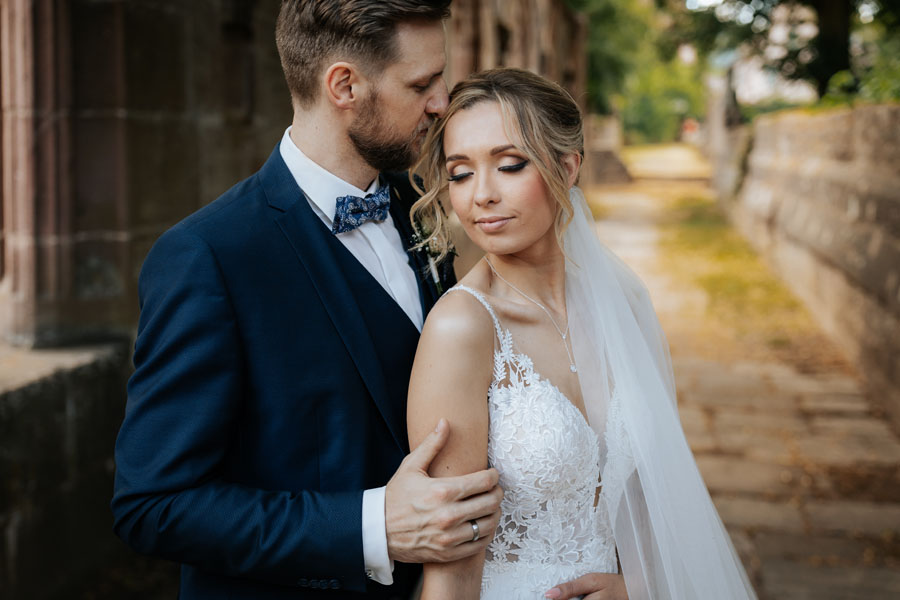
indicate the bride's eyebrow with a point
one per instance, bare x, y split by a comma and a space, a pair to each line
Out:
493, 151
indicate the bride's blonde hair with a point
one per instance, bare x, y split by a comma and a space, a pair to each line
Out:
539, 117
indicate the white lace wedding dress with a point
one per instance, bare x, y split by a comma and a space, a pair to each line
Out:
554, 524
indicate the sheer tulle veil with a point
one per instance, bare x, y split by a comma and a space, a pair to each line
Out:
670, 539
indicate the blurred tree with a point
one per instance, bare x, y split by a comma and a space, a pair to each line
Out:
798, 43
659, 95
631, 71
619, 29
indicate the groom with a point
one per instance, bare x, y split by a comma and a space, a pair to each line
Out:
264, 438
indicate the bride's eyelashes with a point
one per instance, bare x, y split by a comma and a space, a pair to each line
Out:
458, 176
515, 167
505, 168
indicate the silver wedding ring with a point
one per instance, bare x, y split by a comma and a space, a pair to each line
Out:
475, 531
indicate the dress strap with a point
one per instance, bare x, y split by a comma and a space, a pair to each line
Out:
480, 297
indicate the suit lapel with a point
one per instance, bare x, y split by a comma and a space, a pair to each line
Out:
315, 248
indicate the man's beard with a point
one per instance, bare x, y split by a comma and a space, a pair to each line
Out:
376, 144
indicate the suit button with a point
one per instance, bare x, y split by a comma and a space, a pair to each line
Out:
335, 584
303, 582
314, 584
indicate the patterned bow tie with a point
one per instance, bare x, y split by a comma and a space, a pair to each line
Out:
352, 211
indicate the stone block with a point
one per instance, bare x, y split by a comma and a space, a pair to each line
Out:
155, 68
229, 154
760, 514
847, 449
876, 136
730, 474
846, 426
788, 580
162, 185
208, 69
729, 420
97, 80
101, 269
738, 398
58, 424
693, 420
818, 549
701, 442
757, 445
855, 404
845, 516
99, 174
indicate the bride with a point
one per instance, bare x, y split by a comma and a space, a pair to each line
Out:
548, 362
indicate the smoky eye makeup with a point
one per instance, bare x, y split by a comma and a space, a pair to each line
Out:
514, 167
458, 176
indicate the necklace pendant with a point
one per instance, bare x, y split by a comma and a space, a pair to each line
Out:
573, 369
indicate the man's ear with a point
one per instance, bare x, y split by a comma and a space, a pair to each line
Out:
572, 163
344, 85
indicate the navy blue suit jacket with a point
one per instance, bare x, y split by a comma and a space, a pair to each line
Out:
271, 373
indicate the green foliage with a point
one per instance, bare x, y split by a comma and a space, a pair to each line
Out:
750, 112
618, 30
881, 82
875, 76
825, 59
659, 96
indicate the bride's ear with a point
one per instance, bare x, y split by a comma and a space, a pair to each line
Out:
572, 164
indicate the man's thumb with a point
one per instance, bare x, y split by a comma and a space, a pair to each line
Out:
421, 457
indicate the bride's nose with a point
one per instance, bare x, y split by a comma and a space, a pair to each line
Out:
485, 190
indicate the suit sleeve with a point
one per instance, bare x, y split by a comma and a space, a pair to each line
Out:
184, 397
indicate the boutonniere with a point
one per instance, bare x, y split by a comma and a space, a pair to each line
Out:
419, 236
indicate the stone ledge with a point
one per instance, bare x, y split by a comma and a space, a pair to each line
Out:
60, 411
21, 367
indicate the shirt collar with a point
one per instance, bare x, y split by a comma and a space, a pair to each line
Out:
321, 186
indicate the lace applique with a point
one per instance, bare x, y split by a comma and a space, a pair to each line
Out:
619, 458
549, 461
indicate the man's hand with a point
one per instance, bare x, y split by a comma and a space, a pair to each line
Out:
594, 586
429, 519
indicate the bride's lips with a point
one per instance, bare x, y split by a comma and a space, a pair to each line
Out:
492, 224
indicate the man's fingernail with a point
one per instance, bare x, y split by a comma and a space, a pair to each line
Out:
438, 426
553, 593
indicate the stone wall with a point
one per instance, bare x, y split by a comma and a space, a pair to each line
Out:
603, 140
543, 36
59, 413
820, 199
119, 118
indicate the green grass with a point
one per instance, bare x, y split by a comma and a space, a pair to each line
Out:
698, 243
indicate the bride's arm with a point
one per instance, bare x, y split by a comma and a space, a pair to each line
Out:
450, 379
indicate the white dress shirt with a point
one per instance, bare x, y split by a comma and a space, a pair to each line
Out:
378, 247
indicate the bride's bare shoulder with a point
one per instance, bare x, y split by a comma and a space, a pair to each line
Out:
459, 316
460, 312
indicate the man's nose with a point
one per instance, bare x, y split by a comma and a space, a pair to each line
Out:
438, 101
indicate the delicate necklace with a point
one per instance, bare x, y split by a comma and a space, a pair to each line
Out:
562, 334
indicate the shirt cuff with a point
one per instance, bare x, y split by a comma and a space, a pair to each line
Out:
379, 566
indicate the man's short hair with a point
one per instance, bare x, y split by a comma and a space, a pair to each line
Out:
309, 32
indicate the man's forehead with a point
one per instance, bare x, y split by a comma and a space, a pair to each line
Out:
420, 49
